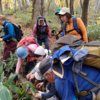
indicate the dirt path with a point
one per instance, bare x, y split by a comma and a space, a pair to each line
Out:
28, 31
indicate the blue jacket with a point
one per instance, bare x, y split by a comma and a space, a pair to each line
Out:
65, 85
10, 30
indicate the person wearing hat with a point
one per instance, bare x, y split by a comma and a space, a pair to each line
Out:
23, 53
41, 29
69, 29
40, 55
61, 31
69, 81
44, 71
9, 32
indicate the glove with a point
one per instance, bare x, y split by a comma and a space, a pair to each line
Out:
62, 34
1, 39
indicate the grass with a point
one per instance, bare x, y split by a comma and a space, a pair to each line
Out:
93, 32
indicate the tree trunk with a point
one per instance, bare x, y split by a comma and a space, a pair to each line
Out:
7, 4
71, 7
19, 5
48, 7
96, 11
15, 6
1, 6
42, 7
23, 7
35, 11
85, 11
66, 2
81, 3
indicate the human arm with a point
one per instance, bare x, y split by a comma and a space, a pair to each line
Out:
49, 33
47, 94
82, 28
18, 65
10, 31
34, 30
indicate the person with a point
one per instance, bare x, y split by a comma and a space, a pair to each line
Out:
40, 55
61, 31
27, 52
9, 33
70, 21
41, 29
65, 76
44, 72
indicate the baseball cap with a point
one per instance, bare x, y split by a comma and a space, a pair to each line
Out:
39, 51
58, 10
64, 10
43, 68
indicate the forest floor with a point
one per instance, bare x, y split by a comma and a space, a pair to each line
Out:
28, 30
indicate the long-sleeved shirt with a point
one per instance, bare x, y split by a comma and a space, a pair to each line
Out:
81, 26
32, 47
51, 93
35, 30
10, 31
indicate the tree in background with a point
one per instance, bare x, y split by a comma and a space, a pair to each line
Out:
85, 11
36, 4
15, 6
71, 7
1, 6
42, 7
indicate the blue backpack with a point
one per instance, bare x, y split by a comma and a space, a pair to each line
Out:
75, 27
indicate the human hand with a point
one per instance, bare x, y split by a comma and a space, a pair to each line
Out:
1, 39
32, 76
28, 76
39, 85
49, 39
37, 95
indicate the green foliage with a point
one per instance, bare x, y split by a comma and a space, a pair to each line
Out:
93, 32
32, 87
24, 19
4, 93
8, 11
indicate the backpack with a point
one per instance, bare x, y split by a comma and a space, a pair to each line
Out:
75, 27
24, 43
18, 31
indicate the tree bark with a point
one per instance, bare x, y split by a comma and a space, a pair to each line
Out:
15, 6
71, 7
85, 11
42, 7
23, 6
1, 6
7, 4
96, 11
35, 11
19, 5
66, 2
81, 3
48, 7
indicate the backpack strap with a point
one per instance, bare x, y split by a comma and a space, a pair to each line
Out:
85, 93
76, 27
64, 26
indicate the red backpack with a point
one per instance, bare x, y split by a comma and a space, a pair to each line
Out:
24, 43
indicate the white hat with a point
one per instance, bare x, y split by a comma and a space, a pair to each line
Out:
42, 68
40, 51
64, 10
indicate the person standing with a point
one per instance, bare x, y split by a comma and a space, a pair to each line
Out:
41, 29
9, 33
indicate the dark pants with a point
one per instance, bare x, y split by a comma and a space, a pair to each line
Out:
9, 47
29, 66
45, 41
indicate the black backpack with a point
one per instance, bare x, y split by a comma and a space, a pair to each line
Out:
18, 31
